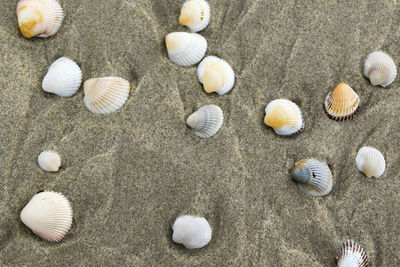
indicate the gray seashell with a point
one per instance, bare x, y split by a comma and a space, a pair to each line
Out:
206, 121
351, 254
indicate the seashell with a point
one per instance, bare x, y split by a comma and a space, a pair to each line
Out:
313, 176
342, 103
351, 254
195, 14
48, 215
185, 49
192, 232
105, 95
41, 18
63, 78
380, 69
206, 121
216, 75
49, 161
284, 117
370, 161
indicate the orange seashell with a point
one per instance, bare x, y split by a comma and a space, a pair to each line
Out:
342, 103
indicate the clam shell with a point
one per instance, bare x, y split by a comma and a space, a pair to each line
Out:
342, 103
106, 95
313, 177
216, 75
206, 121
41, 18
63, 78
195, 14
48, 215
284, 117
192, 232
351, 254
380, 69
370, 161
185, 49
49, 161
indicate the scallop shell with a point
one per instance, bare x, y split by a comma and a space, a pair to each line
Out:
313, 177
284, 117
206, 121
106, 95
380, 69
370, 161
63, 78
342, 103
48, 215
185, 49
192, 232
351, 254
49, 161
195, 14
216, 75
41, 18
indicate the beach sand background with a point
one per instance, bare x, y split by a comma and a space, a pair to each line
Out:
131, 173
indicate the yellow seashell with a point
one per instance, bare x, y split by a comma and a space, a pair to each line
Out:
195, 14
284, 117
342, 103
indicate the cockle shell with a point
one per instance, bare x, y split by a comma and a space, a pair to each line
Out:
41, 18
284, 117
63, 78
342, 103
351, 254
185, 49
216, 75
105, 95
195, 14
206, 121
49, 161
48, 215
313, 177
370, 161
192, 232
380, 69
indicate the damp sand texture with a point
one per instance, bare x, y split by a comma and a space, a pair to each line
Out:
131, 173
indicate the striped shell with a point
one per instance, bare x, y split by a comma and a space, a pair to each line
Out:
313, 177
206, 121
342, 103
195, 14
351, 254
380, 69
370, 161
49, 161
106, 95
192, 232
185, 49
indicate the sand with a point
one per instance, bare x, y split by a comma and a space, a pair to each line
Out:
131, 173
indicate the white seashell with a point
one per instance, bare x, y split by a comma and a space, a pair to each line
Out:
370, 161
195, 14
380, 69
313, 177
41, 18
63, 78
206, 121
49, 161
48, 215
192, 232
185, 49
284, 117
351, 254
105, 95
216, 75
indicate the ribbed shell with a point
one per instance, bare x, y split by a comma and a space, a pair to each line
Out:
206, 121
284, 117
48, 215
41, 18
313, 177
195, 14
351, 254
216, 75
63, 78
370, 161
342, 103
380, 69
105, 95
185, 49
192, 232
49, 161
